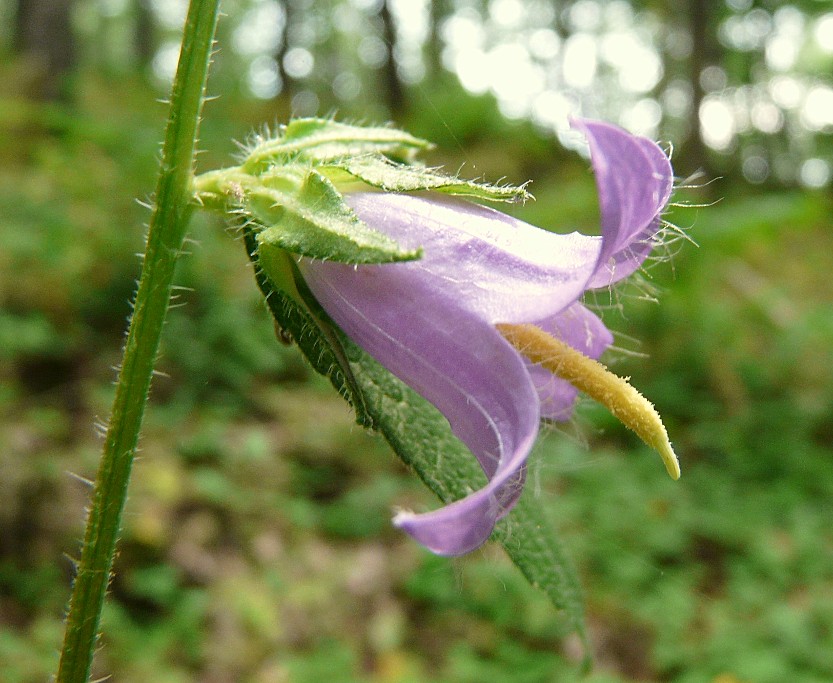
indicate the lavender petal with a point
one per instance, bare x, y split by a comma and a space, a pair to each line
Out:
634, 180
458, 362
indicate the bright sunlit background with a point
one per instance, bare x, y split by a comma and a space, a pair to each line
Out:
257, 544
741, 76
748, 80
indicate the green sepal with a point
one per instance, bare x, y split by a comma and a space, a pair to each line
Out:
418, 433
299, 317
292, 186
323, 140
387, 175
305, 214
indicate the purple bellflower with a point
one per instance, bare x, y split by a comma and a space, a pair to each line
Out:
432, 322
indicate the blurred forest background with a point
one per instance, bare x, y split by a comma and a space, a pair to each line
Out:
257, 544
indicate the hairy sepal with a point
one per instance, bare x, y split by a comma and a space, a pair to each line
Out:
321, 141
390, 176
305, 214
292, 186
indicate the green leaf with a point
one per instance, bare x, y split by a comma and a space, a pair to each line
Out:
310, 218
393, 177
324, 140
421, 436
298, 316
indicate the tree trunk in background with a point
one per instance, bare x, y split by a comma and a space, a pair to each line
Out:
434, 43
144, 39
394, 92
287, 88
700, 18
43, 36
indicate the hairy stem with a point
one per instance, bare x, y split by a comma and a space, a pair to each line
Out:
166, 235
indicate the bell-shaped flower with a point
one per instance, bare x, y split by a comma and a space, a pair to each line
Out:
434, 322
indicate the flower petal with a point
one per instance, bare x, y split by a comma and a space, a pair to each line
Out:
457, 361
634, 179
499, 267
585, 332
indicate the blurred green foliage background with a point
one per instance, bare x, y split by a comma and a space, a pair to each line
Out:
257, 544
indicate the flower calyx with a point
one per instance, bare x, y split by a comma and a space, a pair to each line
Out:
290, 188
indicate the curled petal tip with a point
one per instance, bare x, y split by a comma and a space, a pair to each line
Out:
444, 532
634, 180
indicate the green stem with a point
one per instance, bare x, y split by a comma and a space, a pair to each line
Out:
166, 235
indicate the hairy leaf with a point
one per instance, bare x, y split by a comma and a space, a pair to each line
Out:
307, 325
422, 438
